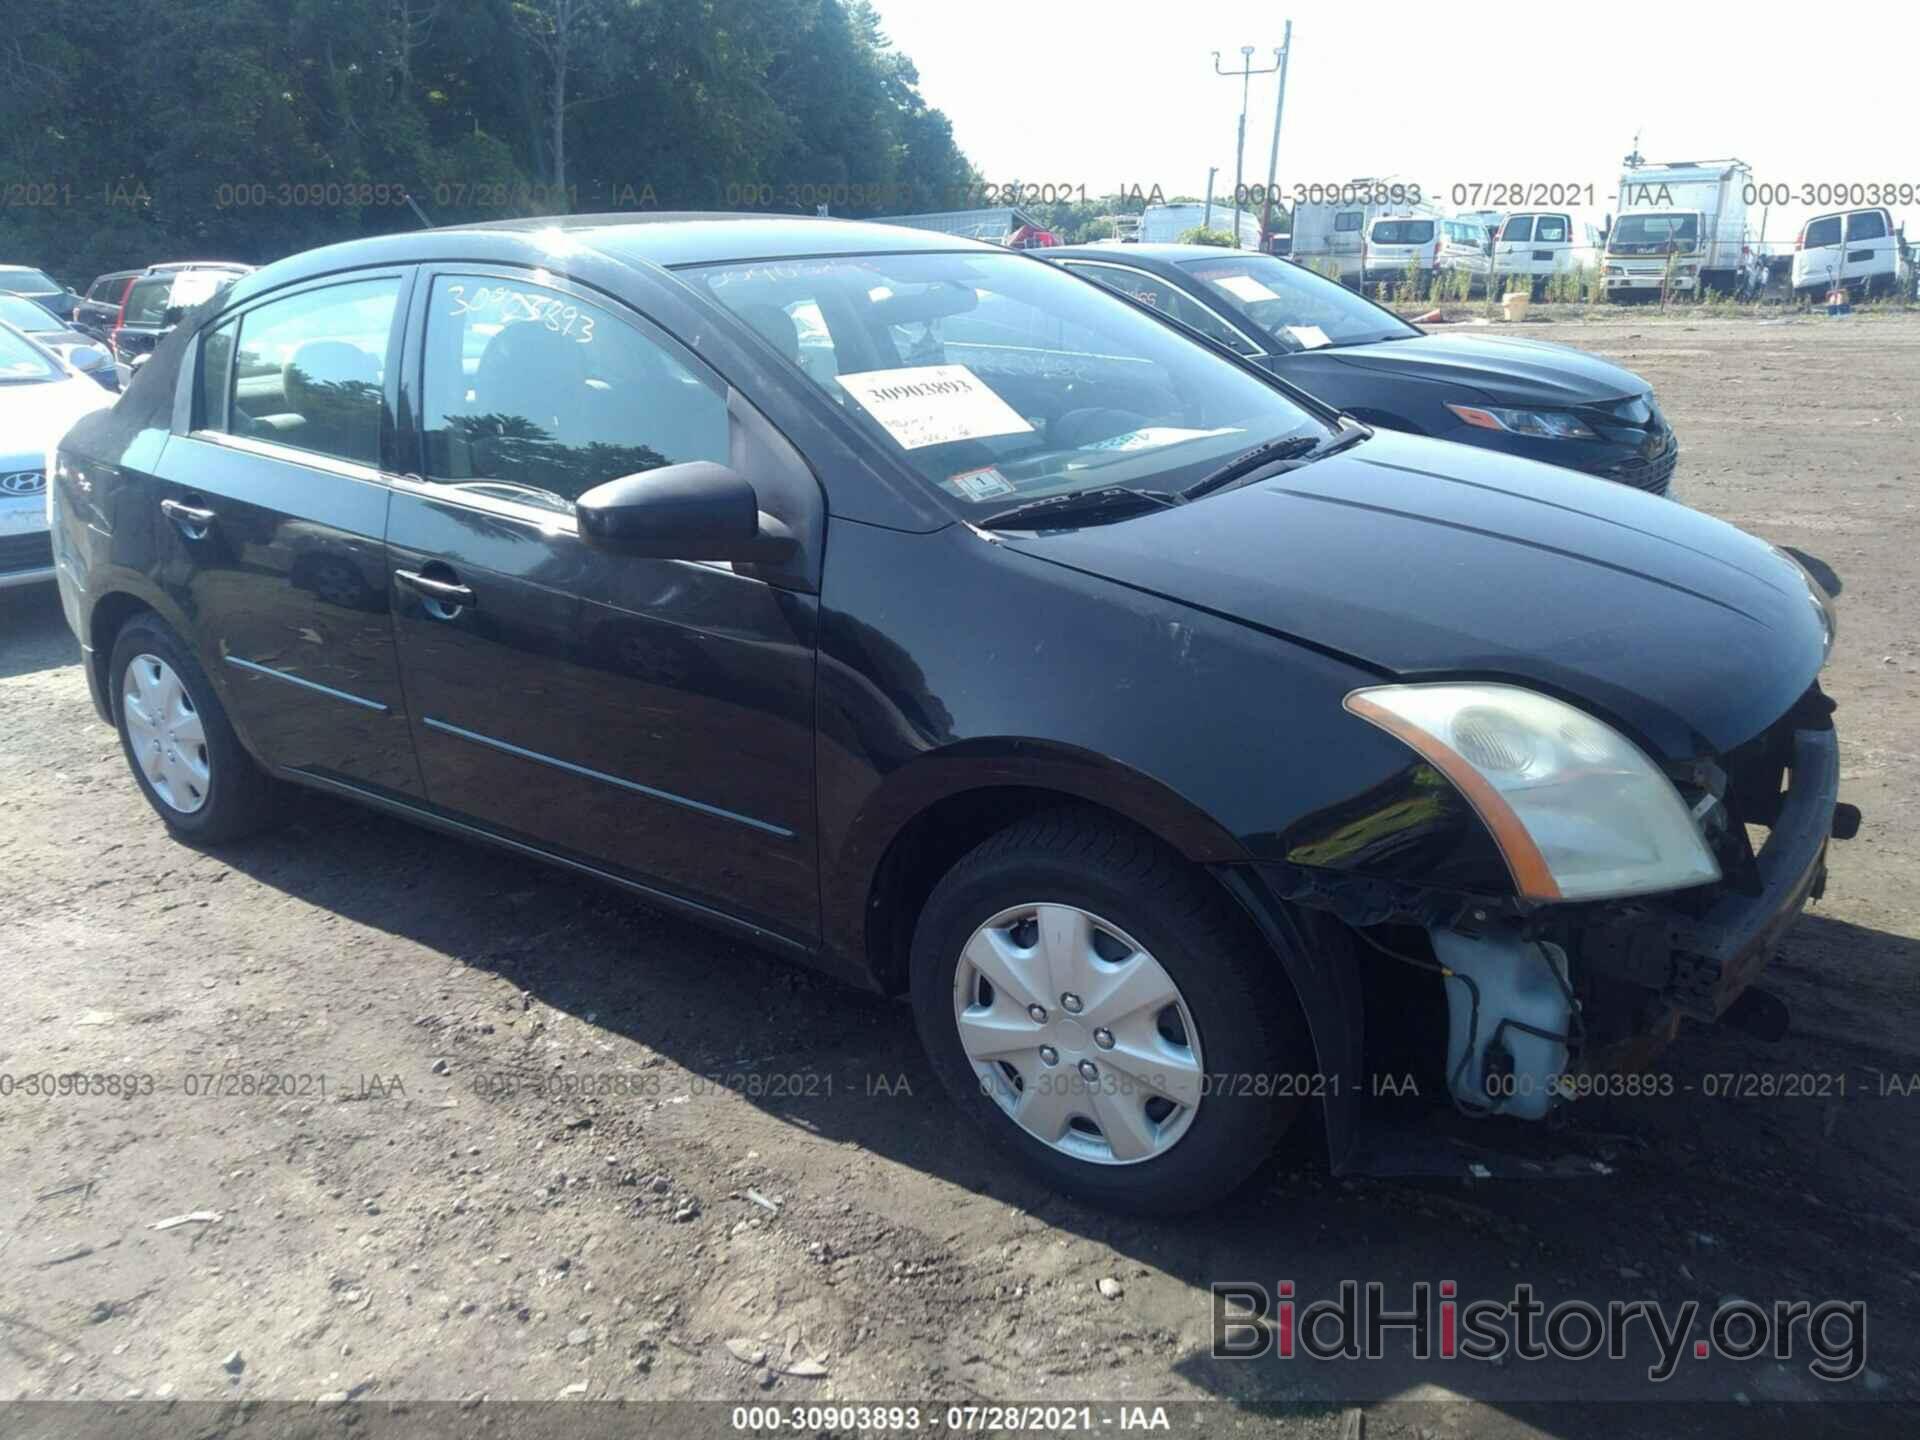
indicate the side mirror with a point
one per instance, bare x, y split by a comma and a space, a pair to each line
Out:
87, 357
693, 511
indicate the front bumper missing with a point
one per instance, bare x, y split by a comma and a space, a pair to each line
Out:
1721, 953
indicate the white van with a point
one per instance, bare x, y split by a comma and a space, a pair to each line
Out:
1466, 243
1858, 249
1539, 243
1393, 242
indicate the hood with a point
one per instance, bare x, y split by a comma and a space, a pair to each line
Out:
1425, 560
1528, 372
34, 417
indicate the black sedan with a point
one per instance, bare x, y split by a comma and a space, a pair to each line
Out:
83, 352
1523, 397
926, 614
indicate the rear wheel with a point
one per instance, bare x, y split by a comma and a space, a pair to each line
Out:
1099, 1007
178, 741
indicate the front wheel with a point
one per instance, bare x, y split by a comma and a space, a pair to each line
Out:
1099, 1007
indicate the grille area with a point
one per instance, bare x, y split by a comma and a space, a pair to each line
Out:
25, 552
1652, 476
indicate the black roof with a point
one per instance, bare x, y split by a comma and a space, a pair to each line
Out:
664, 238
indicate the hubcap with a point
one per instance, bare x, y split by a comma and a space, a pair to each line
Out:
163, 728
1120, 1006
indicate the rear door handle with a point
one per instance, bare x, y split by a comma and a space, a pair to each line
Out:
447, 592
193, 520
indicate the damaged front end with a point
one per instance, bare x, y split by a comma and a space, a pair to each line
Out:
1542, 992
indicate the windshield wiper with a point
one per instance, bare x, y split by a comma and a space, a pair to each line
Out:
1244, 466
1106, 502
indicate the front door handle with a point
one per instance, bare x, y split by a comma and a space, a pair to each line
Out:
193, 520
448, 593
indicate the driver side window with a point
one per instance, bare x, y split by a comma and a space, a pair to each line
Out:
538, 396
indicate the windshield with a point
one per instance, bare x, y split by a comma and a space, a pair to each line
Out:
1298, 309
1654, 234
1000, 379
21, 361
29, 282
23, 314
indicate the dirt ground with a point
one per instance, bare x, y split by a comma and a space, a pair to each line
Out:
532, 1140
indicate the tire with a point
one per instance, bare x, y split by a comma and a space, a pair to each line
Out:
230, 796
1151, 905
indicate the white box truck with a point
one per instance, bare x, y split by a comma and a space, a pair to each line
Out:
1681, 228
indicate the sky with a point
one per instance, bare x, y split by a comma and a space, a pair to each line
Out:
1112, 93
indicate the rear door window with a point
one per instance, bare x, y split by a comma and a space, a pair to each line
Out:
1550, 228
1824, 231
1866, 225
1519, 228
1348, 220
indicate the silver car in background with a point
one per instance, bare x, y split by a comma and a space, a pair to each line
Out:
41, 395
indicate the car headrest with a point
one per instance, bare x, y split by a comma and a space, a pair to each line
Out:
530, 370
331, 375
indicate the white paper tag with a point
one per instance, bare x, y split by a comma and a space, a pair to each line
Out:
1311, 336
987, 484
1244, 287
933, 405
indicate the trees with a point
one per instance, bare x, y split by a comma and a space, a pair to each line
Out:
139, 130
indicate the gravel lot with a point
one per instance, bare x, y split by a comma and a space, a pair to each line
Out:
770, 1200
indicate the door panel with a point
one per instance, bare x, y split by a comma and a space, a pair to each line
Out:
653, 717
278, 553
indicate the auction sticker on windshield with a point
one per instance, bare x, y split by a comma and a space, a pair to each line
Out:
1244, 287
1153, 437
933, 405
1311, 336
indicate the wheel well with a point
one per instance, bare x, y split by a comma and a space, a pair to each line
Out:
110, 613
931, 844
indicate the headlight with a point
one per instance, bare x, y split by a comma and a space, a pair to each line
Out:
1552, 424
1577, 809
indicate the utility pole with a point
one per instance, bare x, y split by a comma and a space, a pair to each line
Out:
1247, 72
1273, 157
1206, 220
